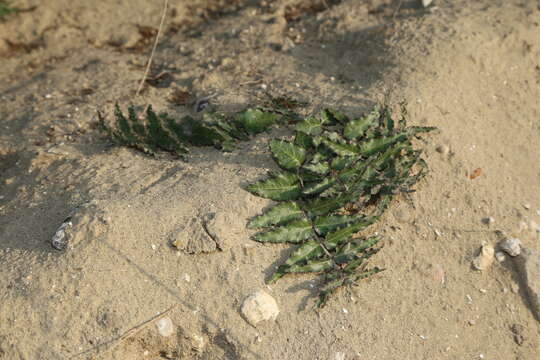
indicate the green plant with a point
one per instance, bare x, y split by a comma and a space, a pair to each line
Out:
6, 9
337, 177
161, 132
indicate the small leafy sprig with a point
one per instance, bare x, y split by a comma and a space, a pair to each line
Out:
161, 132
6, 9
337, 178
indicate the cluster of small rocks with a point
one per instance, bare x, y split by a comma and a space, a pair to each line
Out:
527, 265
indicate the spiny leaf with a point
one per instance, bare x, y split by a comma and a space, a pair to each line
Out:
284, 186
311, 266
332, 117
325, 224
305, 252
322, 206
358, 127
317, 188
341, 149
375, 145
295, 232
338, 237
287, 155
310, 126
277, 215
255, 121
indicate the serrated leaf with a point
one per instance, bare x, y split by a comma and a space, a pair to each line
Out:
341, 149
295, 232
332, 117
277, 215
284, 186
310, 126
304, 140
338, 237
322, 206
358, 127
380, 144
312, 266
255, 121
319, 187
287, 155
319, 168
325, 224
305, 252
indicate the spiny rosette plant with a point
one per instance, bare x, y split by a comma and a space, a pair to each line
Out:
337, 177
161, 132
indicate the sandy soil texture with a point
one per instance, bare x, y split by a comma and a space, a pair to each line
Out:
470, 68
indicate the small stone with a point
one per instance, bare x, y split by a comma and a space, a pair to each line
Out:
499, 255
511, 246
339, 356
60, 238
198, 343
514, 287
517, 330
165, 326
443, 149
472, 322
426, 3
522, 225
258, 307
488, 220
529, 271
527, 206
485, 258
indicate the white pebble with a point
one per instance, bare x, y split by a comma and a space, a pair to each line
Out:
484, 258
443, 149
499, 255
258, 307
511, 246
165, 326
527, 206
488, 220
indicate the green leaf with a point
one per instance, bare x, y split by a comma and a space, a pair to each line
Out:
255, 121
358, 127
303, 140
310, 126
295, 232
312, 266
287, 155
305, 252
277, 215
380, 144
317, 188
321, 206
325, 224
341, 149
332, 117
284, 186
338, 237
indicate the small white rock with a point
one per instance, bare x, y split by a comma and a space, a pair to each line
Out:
426, 3
339, 356
511, 246
499, 255
527, 206
443, 149
165, 326
488, 220
258, 307
484, 258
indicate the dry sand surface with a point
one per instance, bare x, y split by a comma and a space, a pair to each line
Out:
470, 68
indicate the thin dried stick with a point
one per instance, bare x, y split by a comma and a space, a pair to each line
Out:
165, 6
125, 335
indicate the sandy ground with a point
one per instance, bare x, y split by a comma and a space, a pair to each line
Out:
470, 68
